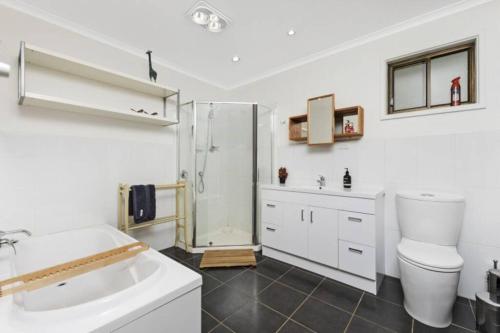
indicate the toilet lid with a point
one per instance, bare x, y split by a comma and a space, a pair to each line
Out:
430, 256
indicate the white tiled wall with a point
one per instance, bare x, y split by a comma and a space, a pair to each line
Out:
457, 151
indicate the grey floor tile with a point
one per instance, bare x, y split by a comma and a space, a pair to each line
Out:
221, 329
272, 268
176, 253
391, 290
209, 283
338, 294
293, 327
422, 328
301, 280
359, 325
321, 317
255, 318
249, 282
224, 301
384, 313
281, 298
464, 316
207, 322
224, 274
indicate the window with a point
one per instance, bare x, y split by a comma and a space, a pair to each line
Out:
423, 81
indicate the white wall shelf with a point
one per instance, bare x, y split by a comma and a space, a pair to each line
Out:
30, 54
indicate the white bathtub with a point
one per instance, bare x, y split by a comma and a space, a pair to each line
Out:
150, 292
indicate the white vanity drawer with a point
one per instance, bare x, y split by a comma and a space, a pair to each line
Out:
356, 227
272, 236
357, 259
272, 212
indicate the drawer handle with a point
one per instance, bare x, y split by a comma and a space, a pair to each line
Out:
270, 205
355, 219
270, 229
355, 250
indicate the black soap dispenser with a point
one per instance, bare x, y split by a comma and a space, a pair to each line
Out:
347, 180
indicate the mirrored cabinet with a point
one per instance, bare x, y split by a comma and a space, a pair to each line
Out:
321, 119
323, 124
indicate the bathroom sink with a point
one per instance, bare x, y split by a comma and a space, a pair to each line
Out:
357, 192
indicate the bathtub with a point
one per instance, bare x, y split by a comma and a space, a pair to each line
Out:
148, 293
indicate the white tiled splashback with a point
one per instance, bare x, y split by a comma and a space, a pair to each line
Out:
55, 183
467, 163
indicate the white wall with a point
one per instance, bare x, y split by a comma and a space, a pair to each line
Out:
61, 171
458, 152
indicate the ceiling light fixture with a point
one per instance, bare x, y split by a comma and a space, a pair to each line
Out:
200, 17
291, 32
208, 17
236, 58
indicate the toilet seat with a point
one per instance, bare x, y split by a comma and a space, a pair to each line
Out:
430, 256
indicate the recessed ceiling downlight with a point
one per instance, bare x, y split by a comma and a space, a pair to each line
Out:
291, 32
236, 58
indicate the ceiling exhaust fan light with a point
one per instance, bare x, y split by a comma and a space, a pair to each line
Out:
200, 17
214, 26
236, 59
291, 32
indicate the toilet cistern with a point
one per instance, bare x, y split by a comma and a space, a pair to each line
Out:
321, 181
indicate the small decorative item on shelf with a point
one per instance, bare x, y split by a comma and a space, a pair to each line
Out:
455, 92
142, 111
350, 124
152, 72
282, 174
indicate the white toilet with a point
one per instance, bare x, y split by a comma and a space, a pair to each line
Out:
429, 263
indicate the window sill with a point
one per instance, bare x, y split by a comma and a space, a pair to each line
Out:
438, 110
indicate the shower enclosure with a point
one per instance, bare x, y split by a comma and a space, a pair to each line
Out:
225, 151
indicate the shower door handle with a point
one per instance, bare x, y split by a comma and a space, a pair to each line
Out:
311, 216
302, 215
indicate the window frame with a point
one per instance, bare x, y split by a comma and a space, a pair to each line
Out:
469, 46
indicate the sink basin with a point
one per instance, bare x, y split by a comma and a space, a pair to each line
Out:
356, 192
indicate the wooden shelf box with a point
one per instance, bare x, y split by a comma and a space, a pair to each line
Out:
356, 114
297, 128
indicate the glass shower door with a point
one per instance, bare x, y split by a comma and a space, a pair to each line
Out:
224, 173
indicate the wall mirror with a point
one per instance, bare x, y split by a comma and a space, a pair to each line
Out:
320, 117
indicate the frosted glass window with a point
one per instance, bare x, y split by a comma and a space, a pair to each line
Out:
443, 70
410, 87
423, 81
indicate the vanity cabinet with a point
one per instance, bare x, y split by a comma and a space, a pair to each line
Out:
334, 233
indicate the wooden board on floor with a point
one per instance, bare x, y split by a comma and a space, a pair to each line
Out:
228, 258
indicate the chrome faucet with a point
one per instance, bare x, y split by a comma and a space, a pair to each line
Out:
12, 242
321, 181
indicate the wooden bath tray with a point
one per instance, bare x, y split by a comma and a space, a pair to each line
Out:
58, 273
227, 258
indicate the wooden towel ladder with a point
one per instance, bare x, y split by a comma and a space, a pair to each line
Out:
126, 224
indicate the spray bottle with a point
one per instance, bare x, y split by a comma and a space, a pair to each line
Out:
455, 92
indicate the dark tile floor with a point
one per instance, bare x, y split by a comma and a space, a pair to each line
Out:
278, 297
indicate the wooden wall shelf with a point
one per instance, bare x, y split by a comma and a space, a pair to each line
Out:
357, 113
297, 128
29, 54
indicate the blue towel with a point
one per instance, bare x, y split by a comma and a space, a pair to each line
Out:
142, 203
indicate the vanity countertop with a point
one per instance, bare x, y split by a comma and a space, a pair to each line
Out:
355, 192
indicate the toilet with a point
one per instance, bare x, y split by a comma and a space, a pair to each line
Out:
429, 263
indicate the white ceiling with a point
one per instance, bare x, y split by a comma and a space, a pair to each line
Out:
258, 32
